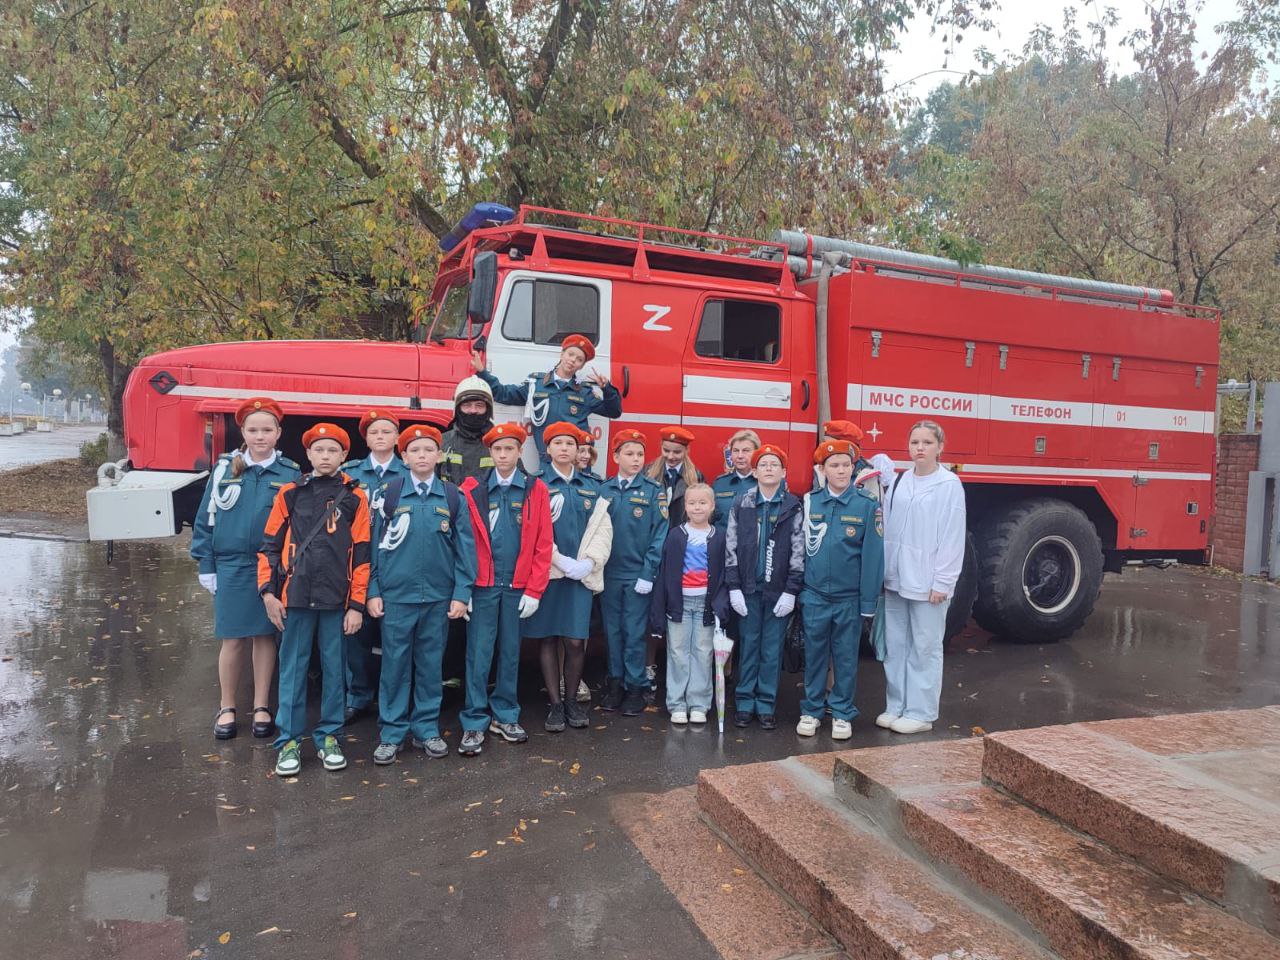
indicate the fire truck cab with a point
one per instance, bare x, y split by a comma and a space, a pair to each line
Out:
1079, 415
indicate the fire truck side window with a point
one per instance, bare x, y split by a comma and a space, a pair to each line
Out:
547, 311
739, 330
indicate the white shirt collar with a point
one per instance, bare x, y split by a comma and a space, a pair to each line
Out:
563, 476
250, 462
505, 481
373, 463
423, 487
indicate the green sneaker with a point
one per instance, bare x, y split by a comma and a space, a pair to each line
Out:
330, 755
289, 762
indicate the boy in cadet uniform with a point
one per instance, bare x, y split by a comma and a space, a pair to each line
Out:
380, 429
313, 573
843, 576
866, 476
638, 509
738, 479
423, 568
764, 571
557, 396
511, 518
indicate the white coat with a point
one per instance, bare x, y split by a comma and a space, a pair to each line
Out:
924, 533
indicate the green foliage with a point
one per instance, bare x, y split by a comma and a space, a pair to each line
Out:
93, 453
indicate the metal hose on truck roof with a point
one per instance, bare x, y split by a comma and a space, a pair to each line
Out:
806, 250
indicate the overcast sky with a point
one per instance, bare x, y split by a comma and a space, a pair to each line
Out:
921, 62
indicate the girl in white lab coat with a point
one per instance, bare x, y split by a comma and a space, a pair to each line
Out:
924, 540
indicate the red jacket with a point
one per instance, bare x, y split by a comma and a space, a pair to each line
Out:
533, 562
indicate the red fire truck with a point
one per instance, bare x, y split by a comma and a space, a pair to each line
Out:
1079, 414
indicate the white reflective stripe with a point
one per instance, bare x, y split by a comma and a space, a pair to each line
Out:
733, 422
1033, 470
737, 392
982, 406
292, 396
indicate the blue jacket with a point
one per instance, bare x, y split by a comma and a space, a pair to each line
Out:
844, 548
728, 488
236, 531
572, 403
784, 561
639, 517
667, 602
426, 552
362, 472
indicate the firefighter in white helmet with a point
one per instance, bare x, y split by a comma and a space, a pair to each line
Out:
464, 453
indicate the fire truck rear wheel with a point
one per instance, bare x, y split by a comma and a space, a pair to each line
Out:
1039, 570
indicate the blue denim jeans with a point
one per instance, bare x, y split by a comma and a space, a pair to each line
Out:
690, 659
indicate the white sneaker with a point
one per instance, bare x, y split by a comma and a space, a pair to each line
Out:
886, 719
584, 692
907, 725
841, 729
697, 716
807, 726
680, 717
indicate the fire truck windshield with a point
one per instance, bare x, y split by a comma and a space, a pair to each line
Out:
451, 318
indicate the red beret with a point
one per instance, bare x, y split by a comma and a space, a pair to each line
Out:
326, 431
506, 431
831, 448
367, 420
677, 435
769, 450
418, 431
258, 405
628, 436
586, 438
843, 430
581, 342
561, 428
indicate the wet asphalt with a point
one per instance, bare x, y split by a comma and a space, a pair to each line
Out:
127, 831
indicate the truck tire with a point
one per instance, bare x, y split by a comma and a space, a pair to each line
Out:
961, 608
1039, 570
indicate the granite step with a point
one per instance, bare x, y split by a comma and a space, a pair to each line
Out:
1194, 797
876, 900
1085, 899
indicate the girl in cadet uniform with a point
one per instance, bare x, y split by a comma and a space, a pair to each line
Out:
764, 571
738, 479
843, 574
381, 430
225, 541
557, 396
420, 578
924, 553
587, 456
582, 537
638, 511
674, 471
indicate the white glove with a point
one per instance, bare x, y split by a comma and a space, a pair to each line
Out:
738, 600
562, 562
884, 464
209, 581
644, 587
528, 606
786, 603
579, 569
467, 616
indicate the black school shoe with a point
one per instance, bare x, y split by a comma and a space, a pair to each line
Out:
575, 715
633, 703
768, 721
555, 719
742, 719
613, 698
224, 731
263, 728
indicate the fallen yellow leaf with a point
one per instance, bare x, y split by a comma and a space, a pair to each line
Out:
727, 887
224, 937
477, 854
977, 732
350, 915
575, 768
590, 846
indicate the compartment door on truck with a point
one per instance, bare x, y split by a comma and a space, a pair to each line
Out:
535, 312
903, 380
736, 373
1041, 409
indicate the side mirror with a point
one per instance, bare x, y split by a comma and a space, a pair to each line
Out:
483, 290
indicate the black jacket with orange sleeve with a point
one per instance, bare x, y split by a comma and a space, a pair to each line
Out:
333, 571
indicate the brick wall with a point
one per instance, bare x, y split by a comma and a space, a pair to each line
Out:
1237, 457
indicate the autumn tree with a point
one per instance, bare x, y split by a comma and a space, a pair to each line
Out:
185, 171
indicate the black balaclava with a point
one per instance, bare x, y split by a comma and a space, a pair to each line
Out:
473, 426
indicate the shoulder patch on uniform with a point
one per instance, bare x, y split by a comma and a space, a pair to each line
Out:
879, 521
350, 464
288, 462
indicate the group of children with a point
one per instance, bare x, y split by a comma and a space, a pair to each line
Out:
321, 557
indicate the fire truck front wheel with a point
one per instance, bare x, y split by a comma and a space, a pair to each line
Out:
1039, 570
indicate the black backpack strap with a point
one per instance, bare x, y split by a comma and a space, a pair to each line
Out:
311, 535
391, 496
894, 489
454, 498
